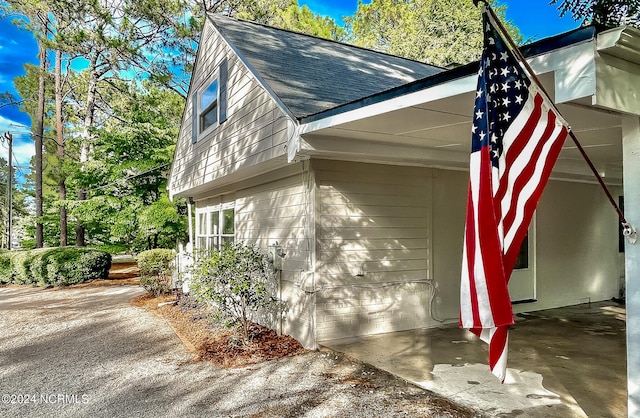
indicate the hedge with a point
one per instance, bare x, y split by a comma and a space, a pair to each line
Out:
156, 268
60, 266
5, 267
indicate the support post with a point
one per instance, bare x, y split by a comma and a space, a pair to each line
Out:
190, 220
9, 138
631, 179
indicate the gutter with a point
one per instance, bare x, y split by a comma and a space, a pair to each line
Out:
622, 42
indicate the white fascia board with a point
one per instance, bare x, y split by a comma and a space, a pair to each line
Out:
440, 91
574, 71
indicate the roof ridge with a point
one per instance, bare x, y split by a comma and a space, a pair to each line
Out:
212, 15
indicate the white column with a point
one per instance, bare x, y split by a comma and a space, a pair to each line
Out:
631, 178
190, 220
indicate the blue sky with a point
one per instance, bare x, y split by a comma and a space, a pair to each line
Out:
536, 19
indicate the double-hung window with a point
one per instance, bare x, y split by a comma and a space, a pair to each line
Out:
209, 103
215, 227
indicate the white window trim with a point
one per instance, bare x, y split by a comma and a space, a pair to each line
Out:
208, 233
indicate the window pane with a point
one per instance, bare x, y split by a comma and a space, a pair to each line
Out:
209, 96
227, 227
213, 243
208, 118
202, 224
201, 243
522, 262
227, 240
214, 218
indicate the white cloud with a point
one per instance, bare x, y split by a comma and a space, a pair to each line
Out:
23, 148
8, 125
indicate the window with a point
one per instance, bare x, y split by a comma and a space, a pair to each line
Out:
209, 104
208, 109
522, 262
216, 227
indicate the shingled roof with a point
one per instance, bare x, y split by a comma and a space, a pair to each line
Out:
311, 75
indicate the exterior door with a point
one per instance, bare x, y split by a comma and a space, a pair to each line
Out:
522, 285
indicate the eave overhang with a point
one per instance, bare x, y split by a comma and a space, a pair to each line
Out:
427, 122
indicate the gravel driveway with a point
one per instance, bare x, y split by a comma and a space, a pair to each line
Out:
87, 352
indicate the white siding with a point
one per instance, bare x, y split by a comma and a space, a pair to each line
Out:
449, 208
276, 212
255, 130
372, 248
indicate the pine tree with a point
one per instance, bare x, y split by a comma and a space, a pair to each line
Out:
608, 13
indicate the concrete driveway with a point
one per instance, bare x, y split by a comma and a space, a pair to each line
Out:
566, 362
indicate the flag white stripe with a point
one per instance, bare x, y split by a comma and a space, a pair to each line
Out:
466, 313
529, 189
500, 368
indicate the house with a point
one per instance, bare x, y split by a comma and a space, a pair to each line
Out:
355, 163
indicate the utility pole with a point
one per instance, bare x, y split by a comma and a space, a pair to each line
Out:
9, 139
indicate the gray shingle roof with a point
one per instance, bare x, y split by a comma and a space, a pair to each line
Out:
311, 75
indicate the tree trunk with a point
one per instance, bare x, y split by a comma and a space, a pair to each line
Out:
62, 188
38, 142
85, 147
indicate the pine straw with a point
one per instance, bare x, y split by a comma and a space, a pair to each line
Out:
219, 345
108, 282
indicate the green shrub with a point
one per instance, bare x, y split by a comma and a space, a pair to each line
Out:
38, 265
238, 280
6, 274
55, 266
156, 270
21, 266
70, 265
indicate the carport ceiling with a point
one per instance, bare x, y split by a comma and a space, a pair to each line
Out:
446, 125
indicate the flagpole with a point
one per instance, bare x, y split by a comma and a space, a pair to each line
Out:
514, 48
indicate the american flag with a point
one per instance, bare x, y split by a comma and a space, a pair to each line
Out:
516, 138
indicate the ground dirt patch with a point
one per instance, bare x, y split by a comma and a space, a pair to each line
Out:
120, 274
215, 343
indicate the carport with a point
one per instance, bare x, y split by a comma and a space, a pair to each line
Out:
595, 80
564, 362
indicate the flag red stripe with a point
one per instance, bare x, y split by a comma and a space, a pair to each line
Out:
491, 250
